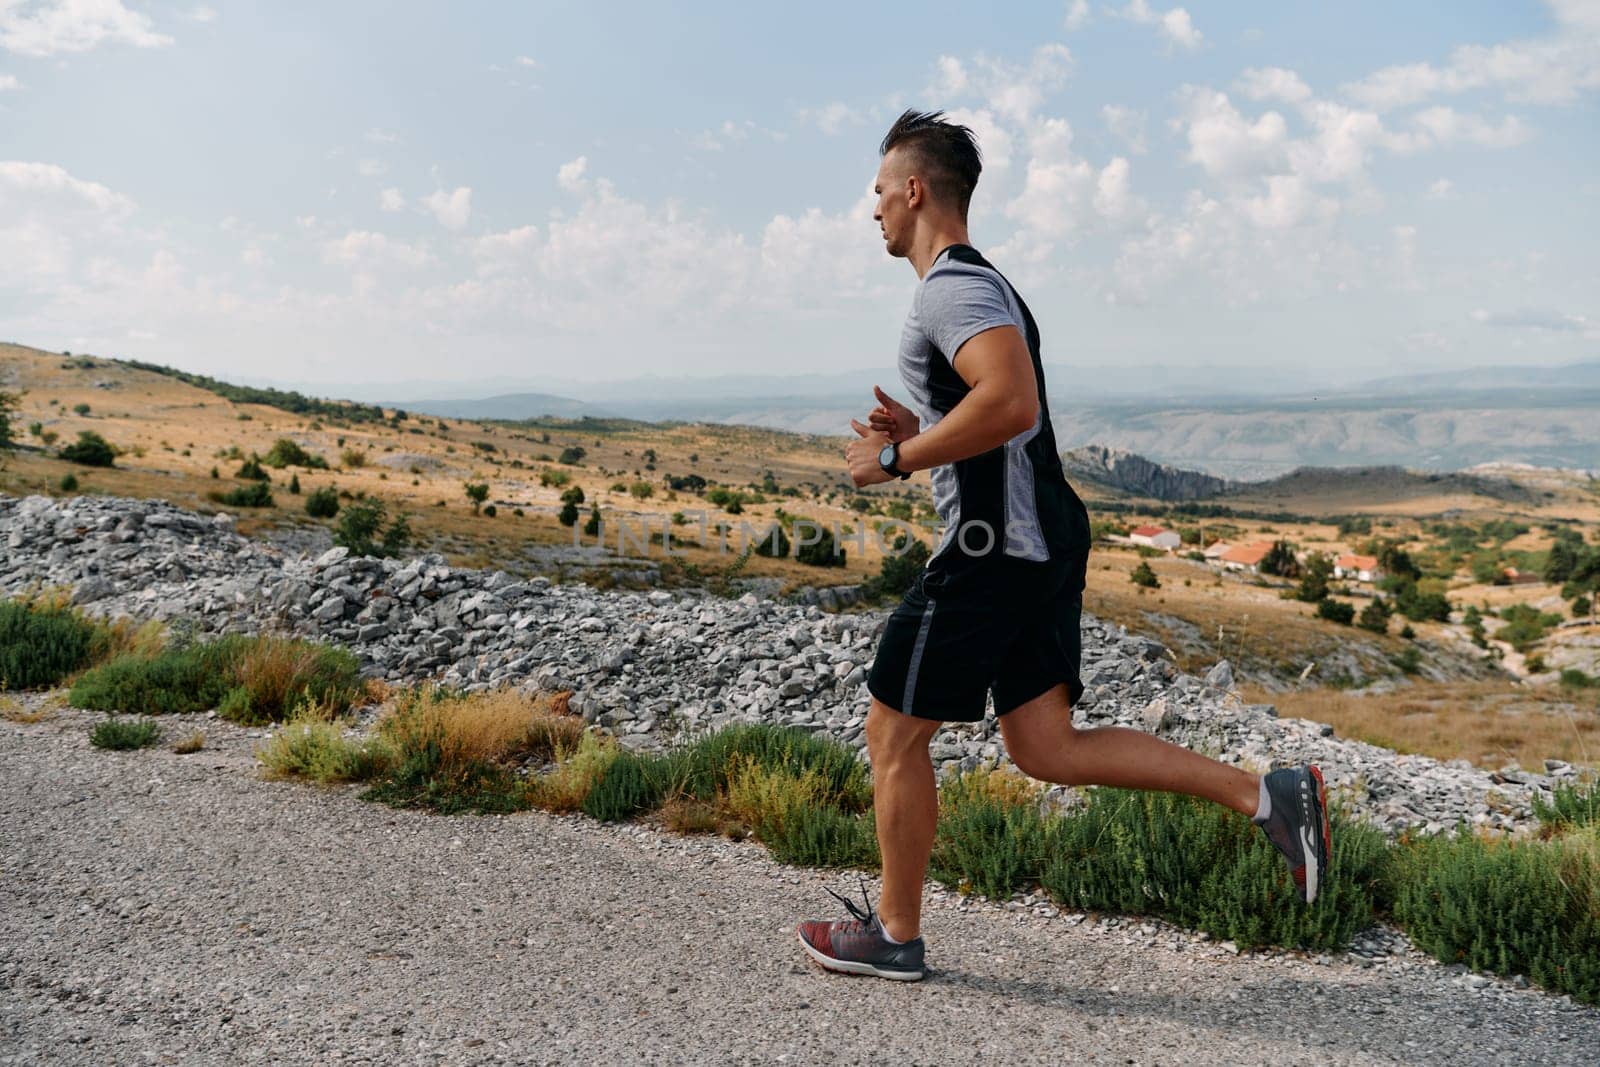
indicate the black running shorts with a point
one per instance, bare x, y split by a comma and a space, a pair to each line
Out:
1010, 626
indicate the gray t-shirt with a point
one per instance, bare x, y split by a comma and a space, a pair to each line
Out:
958, 299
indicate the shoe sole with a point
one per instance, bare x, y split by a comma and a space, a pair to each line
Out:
1316, 847
852, 967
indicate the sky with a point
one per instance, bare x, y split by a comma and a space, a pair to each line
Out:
312, 193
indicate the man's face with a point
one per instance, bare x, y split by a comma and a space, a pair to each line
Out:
893, 211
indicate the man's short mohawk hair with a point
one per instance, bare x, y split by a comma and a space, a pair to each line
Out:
946, 153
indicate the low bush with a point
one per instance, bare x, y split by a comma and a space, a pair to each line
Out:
565, 788
703, 768
323, 503
1569, 806
991, 837
1524, 906
628, 786
1144, 577
122, 734
313, 746
366, 530
1202, 866
454, 751
797, 817
41, 644
250, 679
254, 495
1336, 611
90, 450
287, 453
251, 470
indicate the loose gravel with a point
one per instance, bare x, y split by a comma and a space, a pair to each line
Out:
172, 909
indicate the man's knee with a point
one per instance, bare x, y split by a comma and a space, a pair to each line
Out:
894, 739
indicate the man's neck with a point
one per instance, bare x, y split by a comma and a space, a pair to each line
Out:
927, 249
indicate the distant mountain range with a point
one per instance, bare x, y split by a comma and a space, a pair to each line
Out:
1229, 422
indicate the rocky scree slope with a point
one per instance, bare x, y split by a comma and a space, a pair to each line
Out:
650, 666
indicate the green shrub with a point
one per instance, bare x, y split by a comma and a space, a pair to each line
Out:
254, 495
477, 493
702, 768
363, 531
1375, 616
773, 543
1314, 576
312, 747
250, 470
1508, 906
323, 503
250, 679
1570, 805
69, 483
91, 450
810, 835
568, 515
122, 735
1144, 577
287, 453
991, 837
1203, 866
820, 553
572, 455
294, 485
630, 785
899, 569
1573, 678
41, 645
1336, 611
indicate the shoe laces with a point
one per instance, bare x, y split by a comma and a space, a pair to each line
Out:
862, 919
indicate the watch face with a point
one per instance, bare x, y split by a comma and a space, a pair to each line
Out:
886, 456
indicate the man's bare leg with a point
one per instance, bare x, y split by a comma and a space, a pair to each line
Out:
906, 804
1043, 743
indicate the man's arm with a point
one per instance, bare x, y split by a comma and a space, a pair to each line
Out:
1004, 402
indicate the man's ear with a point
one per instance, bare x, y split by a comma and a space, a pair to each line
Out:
915, 191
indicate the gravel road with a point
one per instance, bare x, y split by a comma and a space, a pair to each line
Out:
173, 909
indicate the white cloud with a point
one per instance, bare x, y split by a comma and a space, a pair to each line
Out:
1114, 198
526, 61
391, 200
1016, 91
728, 133
1273, 83
571, 175
19, 179
833, 118
1289, 201
1545, 320
1553, 69
1058, 190
377, 136
366, 249
1127, 125
952, 77
451, 209
1446, 125
9, 83
1443, 189
1077, 15
1174, 24
1225, 143
202, 13
371, 168
53, 27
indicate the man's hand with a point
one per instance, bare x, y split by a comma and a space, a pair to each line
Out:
862, 456
893, 418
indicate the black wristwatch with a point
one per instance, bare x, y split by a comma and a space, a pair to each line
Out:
889, 460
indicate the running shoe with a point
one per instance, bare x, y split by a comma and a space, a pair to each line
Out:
858, 945
1297, 825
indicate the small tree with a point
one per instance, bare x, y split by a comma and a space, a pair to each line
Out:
477, 492
294, 484
821, 553
572, 455
1281, 561
323, 503
774, 543
251, 470
1314, 575
573, 496
1375, 616
80, 409
1144, 577
365, 530
1581, 607
569, 513
8, 412
91, 450
592, 527
642, 490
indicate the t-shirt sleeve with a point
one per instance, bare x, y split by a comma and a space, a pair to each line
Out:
957, 305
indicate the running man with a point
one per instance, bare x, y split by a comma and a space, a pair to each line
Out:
997, 607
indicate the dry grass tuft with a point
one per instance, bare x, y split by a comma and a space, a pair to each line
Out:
494, 726
13, 710
130, 637
685, 815
1490, 724
191, 742
758, 798
275, 670
565, 788
313, 745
